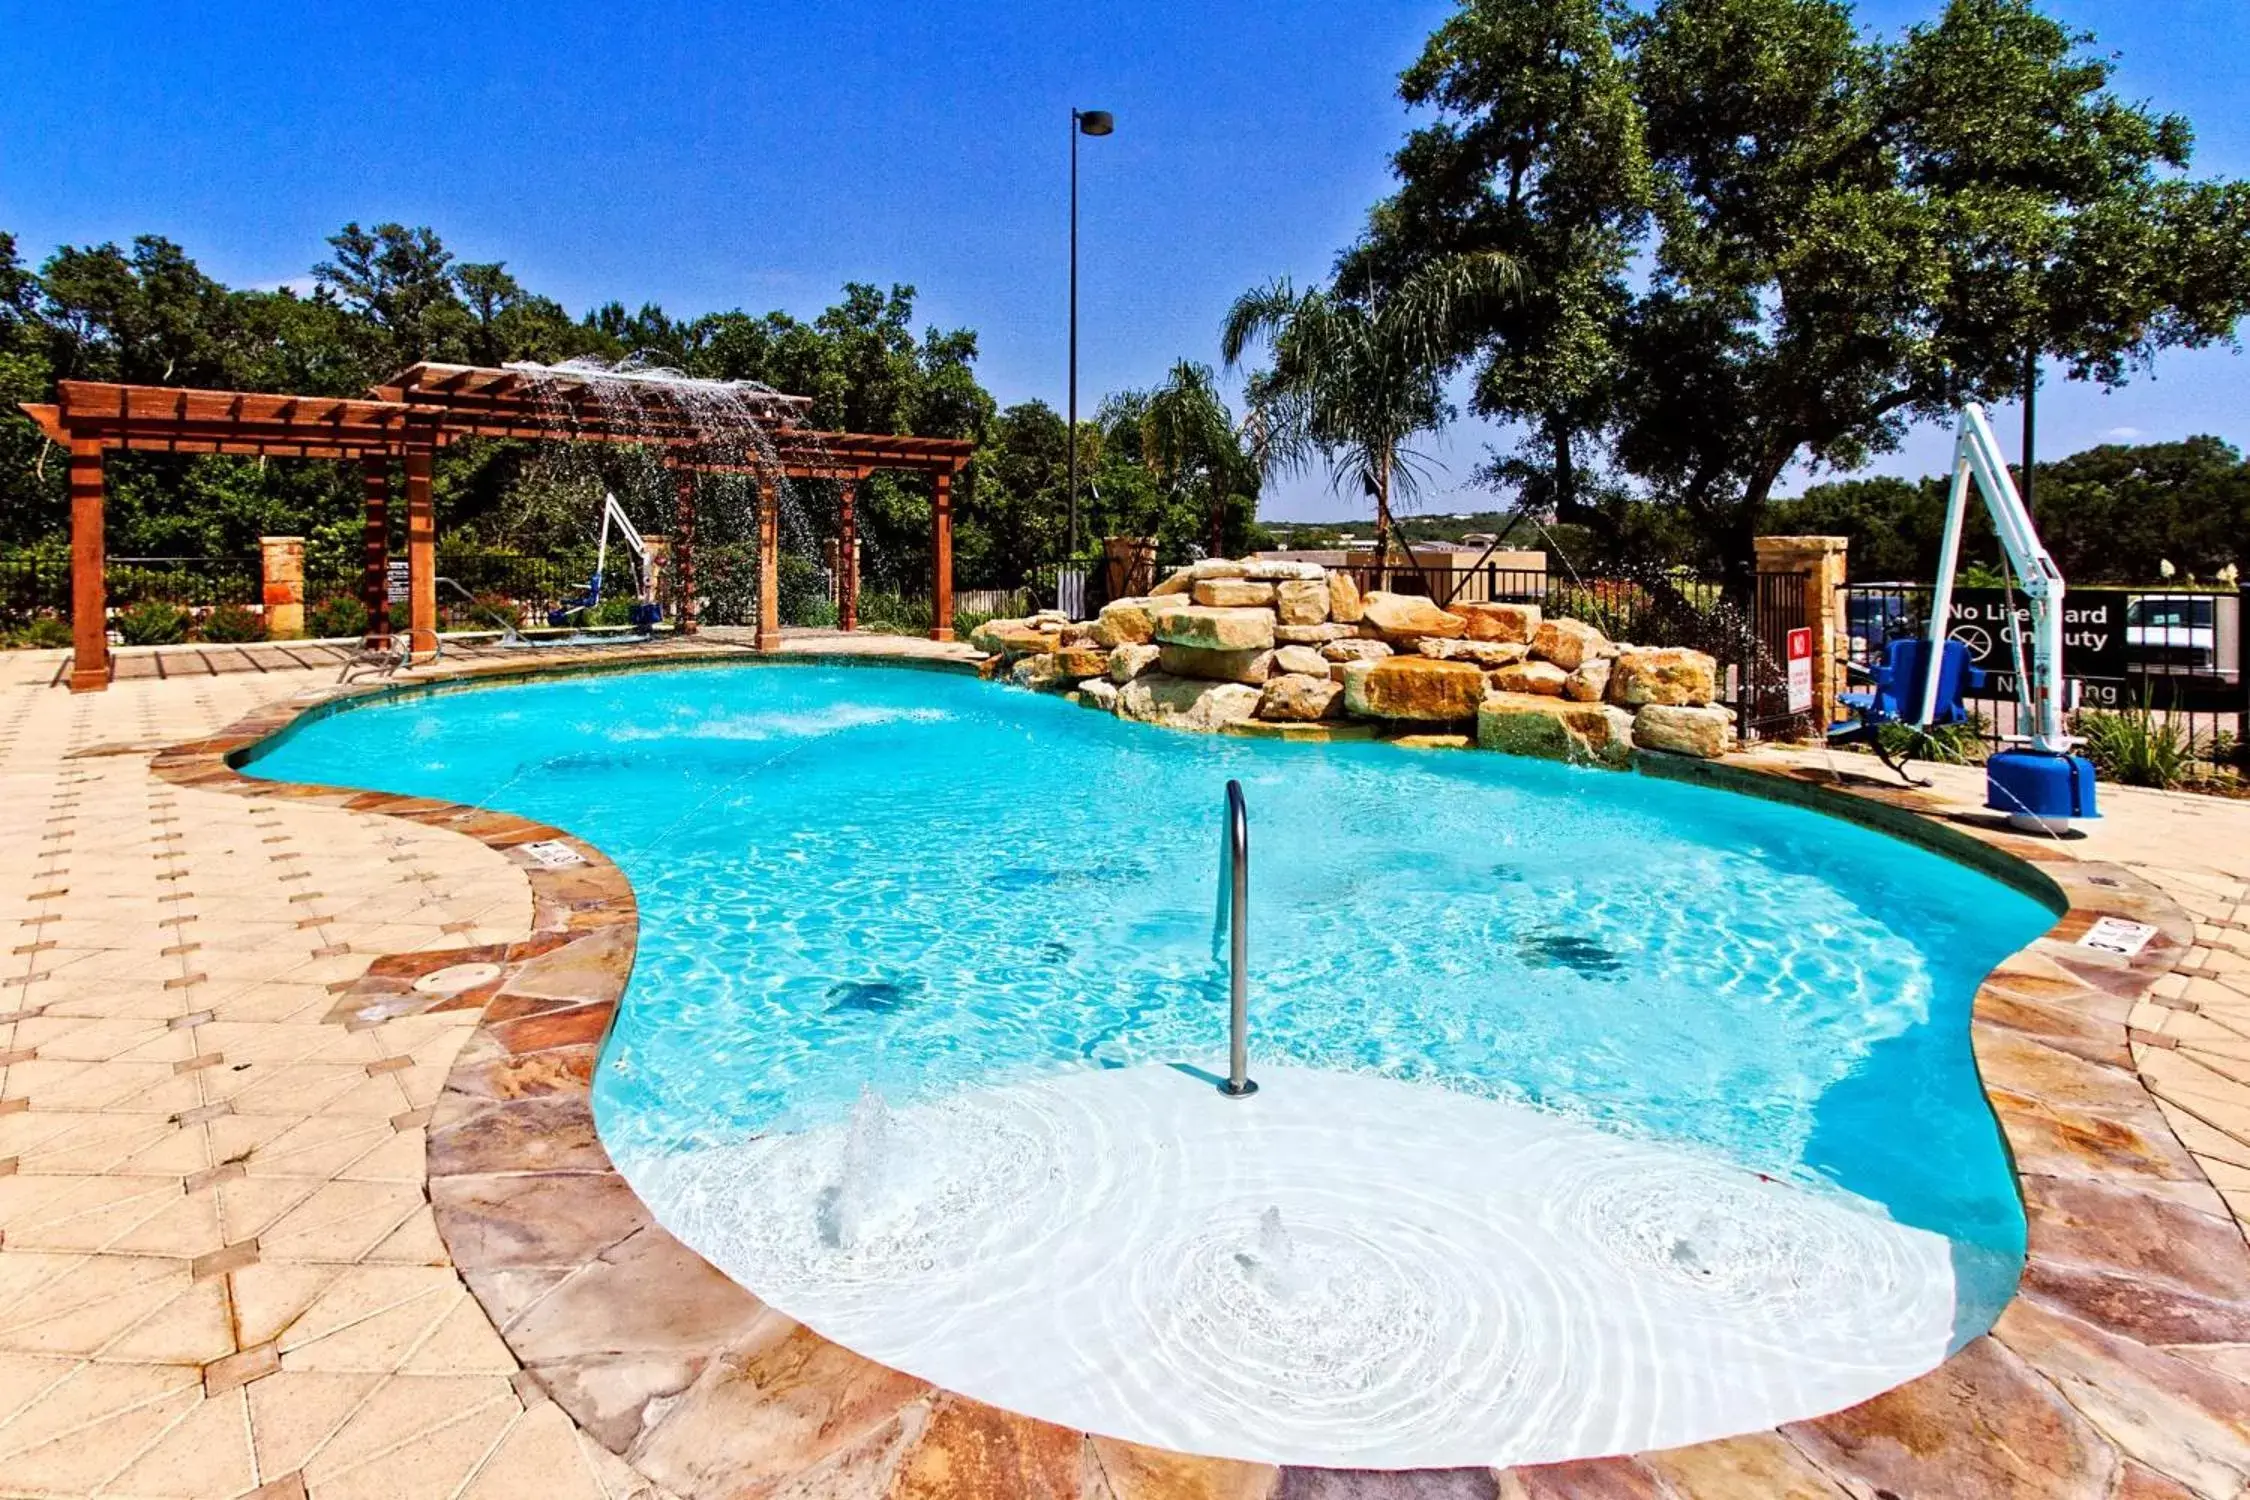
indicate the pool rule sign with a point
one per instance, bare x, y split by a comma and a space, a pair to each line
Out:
1993, 623
1800, 670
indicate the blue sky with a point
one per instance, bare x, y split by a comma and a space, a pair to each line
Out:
759, 156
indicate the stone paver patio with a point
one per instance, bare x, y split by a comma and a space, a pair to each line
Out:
220, 1272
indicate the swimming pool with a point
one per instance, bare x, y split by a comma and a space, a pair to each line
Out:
1600, 1113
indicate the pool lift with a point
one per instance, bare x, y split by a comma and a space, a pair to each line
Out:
646, 613
2038, 783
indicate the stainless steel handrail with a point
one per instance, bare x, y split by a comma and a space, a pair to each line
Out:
1234, 898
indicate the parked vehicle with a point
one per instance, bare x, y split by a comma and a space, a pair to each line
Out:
2174, 632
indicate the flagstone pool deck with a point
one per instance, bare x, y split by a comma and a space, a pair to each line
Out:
292, 1114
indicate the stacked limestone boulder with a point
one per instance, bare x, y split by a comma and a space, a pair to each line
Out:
1295, 648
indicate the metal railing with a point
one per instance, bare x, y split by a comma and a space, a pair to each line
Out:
1234, 919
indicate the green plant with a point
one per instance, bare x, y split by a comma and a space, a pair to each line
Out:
1962, 744
893, 614
231, 623
496, 610
44, 634
339, 616
2137, 746
617, 611
152, 622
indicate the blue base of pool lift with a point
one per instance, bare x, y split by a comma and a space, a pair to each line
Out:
2039, 786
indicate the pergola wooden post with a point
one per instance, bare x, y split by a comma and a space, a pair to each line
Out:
769, 564
941, 555
683, 548
375, 557
847, 555
89, 591
421, 557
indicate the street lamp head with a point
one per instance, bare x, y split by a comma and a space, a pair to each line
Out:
1094, 121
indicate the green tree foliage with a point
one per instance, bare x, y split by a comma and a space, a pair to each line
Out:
1536, 154
1357, 374
390, 295
2113, 514
1843, 233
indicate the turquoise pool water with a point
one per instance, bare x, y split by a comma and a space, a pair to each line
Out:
857, 876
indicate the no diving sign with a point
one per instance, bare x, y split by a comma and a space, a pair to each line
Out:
2116, 935
1800, 670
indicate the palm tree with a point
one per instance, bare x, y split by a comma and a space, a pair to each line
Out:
1188, 435
1354, 377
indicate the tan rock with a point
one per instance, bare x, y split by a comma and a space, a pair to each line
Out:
1585, 734
1083, 661
1668, 675
1567, 643
1301, 601
1042, 673
1304, 661
1216, 629
1178, 583
1403, 619
1542, 678
1184, 703
1252, 666
1130, 620
1298, 696
1278, 570
1499, 622
1217, 567
1130, 660
1486, 654
1313, 635
1414, 688
1432, 741
1707, 732
1015, 638
1233, 593
1590, 683
1355, 650
1098, 692
1344, 603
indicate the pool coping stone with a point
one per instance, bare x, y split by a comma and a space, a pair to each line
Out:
2118, 1372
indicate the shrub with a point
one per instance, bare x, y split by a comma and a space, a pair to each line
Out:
339, 615
609, 612
231, 623
152, 622
1962, 744
43, 634
494, 611
2140, 747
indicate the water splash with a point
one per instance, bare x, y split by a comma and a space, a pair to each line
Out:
1272, 1265
862, 1186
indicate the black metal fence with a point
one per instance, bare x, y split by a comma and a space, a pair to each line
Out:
33, 585
2175, 655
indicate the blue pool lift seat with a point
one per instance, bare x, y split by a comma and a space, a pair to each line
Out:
1894, 696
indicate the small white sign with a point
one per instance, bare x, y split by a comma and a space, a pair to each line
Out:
2116, 935
553, 854
1800, 670
397, 580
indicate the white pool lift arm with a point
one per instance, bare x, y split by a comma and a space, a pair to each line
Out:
2040, 687
614, 514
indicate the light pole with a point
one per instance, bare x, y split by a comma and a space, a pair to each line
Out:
1082, 122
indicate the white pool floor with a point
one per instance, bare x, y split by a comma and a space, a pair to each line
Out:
1343, 1270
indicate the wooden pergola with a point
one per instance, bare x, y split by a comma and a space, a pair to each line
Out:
428, 406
